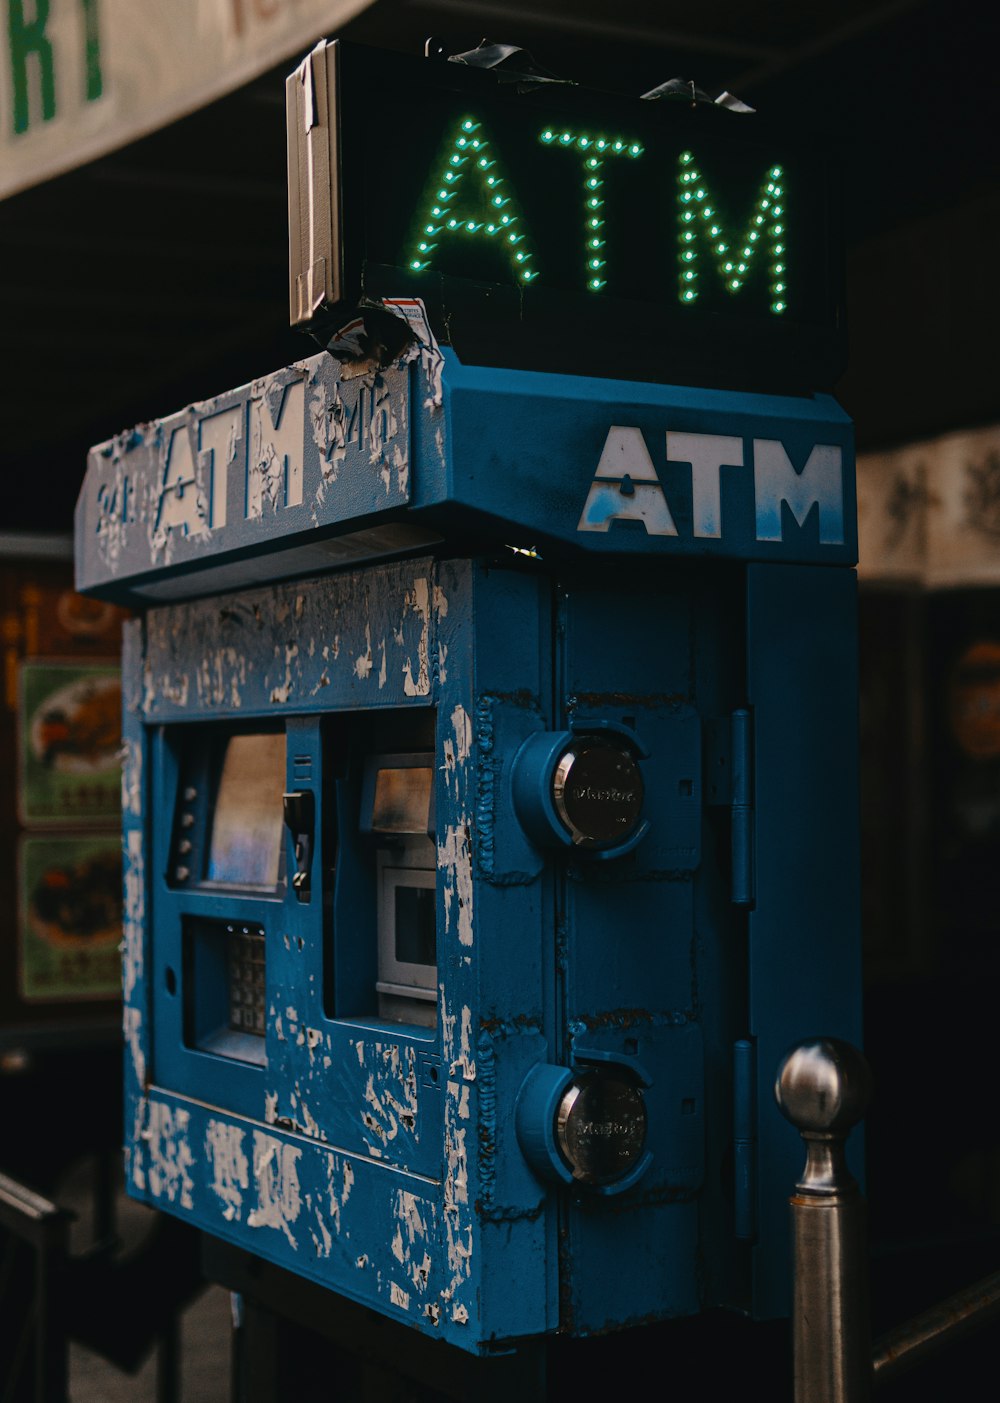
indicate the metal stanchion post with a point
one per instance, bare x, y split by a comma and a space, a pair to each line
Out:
823, 1088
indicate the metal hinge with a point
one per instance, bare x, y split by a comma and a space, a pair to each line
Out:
729, 783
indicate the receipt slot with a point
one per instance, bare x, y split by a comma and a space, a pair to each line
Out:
490, 815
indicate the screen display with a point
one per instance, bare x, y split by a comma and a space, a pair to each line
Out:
402, 799
248, 821
416, 941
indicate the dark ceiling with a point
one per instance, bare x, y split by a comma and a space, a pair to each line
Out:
157, 275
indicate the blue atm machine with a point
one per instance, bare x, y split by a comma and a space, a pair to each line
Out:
490, 806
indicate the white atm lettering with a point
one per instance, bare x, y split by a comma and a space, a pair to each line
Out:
218, 437
819, 484
706, 453
179, 491
274, 467
626, 488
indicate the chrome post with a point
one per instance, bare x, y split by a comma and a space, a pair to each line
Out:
823, 1087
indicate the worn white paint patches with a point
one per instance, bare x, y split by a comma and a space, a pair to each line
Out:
383, 426
457, 1050
112, 503
336, 1196
328, 420
276, 1179
175, 688
439, 445
270, 1107
362, 1262
327, 432
461, 723
410, 1238
134, 913
181, 508
381, 1120
279, 1027
348, 1182
364, 661
391, 1094
220, 678
458, 1242
168, 1154
417, 601
310, 1124
420, 1272
440, 602
464, 1059
442, 661
230, 1167
408, 1213
283, 690
132, 778
449, 1022
277, 434
322, 1240
383, 673
459, 1314
132, 1031
398, 1296
134, 1164
313, 1039
148, 687
359, 1048
458, 748
455, 868
457, 1155
433, 1312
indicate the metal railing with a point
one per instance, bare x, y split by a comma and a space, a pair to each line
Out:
823, 1087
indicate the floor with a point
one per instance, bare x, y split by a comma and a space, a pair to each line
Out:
204, 1361
205, 1326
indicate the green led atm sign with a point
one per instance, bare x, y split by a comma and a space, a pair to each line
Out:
471, 196
538, 207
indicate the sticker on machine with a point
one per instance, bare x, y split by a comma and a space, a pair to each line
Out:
414, 313
69, 916
69, 744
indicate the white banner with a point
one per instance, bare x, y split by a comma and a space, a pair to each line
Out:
79, 78
929, 513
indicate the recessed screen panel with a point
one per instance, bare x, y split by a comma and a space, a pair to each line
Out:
247, 826
402, 799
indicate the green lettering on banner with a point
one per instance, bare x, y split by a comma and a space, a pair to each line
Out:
27, 37
92, 50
